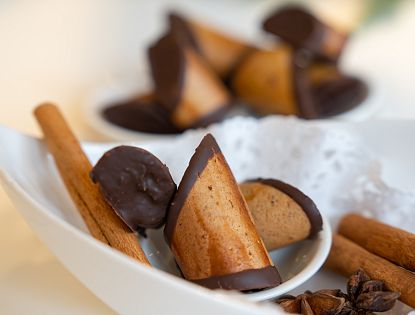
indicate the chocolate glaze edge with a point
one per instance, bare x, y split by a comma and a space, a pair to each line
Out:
167, 63
181, 28
251, 279
305, 202
306, 35
207, 148
137, 219
302, 90
339, 96
314, 34
213, 117
140, 115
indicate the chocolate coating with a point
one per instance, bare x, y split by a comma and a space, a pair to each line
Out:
136, 184
213, 117
298, 27
204, 152
167, 63
182, 30
301, 82
305, 202
338, 96
294, 25
252, 279
140, 114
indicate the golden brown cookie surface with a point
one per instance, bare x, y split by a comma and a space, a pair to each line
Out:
210, 231
279, 219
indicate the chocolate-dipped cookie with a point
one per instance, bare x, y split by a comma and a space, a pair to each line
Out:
274, 82
301, 29
185, 85
282, 214
332, 91
221, 52
339, 96
142, 113
210, 231
136, 184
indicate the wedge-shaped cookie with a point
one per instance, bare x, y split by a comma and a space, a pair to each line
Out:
185, 85
282, 214
210, 231
274, 81
222, 52
302, 29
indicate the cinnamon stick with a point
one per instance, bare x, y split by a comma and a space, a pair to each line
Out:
89, 220
74, 167
386, 241
346, 257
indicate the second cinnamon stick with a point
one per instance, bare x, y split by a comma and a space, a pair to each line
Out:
346, 257
386, 241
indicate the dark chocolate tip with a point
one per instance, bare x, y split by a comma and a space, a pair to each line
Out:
207, 148
181, 28
301, 84
252, 279
305, 202
140, 114
293, 24
298, 27
338, 96
136, 184
167, 63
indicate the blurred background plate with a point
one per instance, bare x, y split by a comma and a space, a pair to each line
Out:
64, 51
125, 89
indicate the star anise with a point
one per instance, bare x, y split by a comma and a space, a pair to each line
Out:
369, 295
320, 302
364, 296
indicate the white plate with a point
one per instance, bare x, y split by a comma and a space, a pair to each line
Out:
124, 89
32, 183
30, 178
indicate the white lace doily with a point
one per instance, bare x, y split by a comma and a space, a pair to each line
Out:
330, 165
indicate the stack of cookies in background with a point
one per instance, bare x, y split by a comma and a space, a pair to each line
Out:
199, 74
